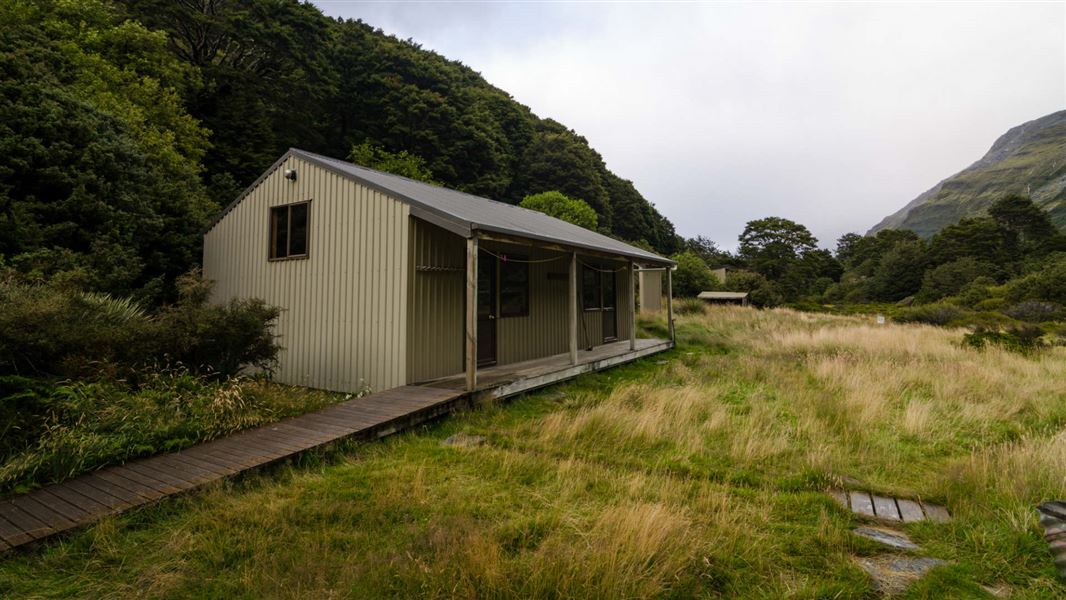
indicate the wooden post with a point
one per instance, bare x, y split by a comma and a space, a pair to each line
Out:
632, 307
471, 314
670, 301
572, 299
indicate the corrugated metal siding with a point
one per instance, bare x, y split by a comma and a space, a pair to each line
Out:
343, 321
435, 334
437, 301
651, 291
544, 331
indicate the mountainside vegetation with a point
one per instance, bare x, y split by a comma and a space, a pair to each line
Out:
1030, 159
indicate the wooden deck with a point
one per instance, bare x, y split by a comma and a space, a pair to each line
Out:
507, 380
80, 501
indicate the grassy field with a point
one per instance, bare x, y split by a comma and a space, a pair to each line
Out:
703, 476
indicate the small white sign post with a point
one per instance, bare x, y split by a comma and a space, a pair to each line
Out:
880, 319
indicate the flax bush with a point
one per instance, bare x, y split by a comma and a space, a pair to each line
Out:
51, 329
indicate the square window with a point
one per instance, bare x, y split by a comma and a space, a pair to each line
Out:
590, 289
609, 281
288, 230
514, 287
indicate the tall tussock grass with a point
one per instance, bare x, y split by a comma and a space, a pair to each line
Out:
701, 477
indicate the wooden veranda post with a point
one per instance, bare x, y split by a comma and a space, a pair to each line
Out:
670, 301
632, 307
572, 307
471, 314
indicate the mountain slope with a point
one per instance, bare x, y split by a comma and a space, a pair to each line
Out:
1029, 158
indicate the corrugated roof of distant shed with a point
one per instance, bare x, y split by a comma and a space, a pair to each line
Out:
462, 213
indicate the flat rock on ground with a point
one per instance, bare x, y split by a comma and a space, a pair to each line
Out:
464, 440
893, 574
888, 537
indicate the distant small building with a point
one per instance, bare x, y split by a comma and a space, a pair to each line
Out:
740, 298
720, 274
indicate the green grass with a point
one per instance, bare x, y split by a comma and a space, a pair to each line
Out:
701, 477
55, 430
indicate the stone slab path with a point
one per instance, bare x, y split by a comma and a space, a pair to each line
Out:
886, 508
892, 575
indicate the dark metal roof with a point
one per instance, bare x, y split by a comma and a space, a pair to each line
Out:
464, 214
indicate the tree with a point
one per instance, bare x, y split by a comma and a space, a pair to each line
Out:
398, 163
709, 251
772, 245
1047, 284
761, 292
563, 207
559, 159
264, 72
102, 171
854, 251
812, 274
692, 275
950, 278
980, 238
1029, 230
633, 218
899, 273
849, 247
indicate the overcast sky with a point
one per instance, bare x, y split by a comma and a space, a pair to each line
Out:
833, 114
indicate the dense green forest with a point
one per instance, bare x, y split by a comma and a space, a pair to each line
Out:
125, 125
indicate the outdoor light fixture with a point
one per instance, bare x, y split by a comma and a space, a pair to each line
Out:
290, 174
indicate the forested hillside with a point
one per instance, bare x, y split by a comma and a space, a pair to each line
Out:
126, 125
1030, 159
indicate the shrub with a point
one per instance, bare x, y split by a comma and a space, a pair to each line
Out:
1025, 339
1034, 311
1049, 283
690, 306
930, 314
950, 278
692, 275
48, 328
760, 291
977, 292
210, 338
561, 206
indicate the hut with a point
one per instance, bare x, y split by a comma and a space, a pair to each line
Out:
384, 281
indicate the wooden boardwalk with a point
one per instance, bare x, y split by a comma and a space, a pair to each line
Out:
83, 500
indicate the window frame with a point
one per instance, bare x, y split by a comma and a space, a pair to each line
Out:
598, 301
272, 240
613, 278
519, 262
